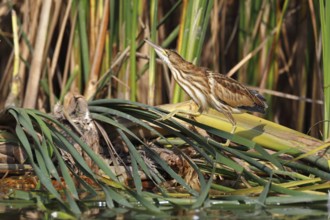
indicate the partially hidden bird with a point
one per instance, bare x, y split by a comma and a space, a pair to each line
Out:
209, 89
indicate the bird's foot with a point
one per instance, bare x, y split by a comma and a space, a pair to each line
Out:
178, 111
168, 116
227, 143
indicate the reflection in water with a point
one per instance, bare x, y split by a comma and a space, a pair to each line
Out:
319, 211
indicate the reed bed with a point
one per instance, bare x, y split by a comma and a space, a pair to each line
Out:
95, 50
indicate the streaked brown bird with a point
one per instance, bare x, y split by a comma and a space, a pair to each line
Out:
209, 89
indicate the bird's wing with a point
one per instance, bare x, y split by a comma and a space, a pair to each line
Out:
234, 94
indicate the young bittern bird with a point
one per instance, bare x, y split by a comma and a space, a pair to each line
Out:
209, 89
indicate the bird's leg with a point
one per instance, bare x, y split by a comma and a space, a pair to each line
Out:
178, 111
233, 122
232, 132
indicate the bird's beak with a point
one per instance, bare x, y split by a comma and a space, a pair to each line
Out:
160, 51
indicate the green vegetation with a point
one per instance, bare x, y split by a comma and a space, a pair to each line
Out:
80, 95
325, 19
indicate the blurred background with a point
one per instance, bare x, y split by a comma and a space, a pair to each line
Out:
51, 47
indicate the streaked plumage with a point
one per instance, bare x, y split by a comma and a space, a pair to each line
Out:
211, 90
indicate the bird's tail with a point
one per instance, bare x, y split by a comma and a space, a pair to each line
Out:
260, 103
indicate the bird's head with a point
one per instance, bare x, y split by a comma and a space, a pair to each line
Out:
170, 57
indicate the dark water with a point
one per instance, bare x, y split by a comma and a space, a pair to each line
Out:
316, 211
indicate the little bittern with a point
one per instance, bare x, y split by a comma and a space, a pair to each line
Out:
209, 89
